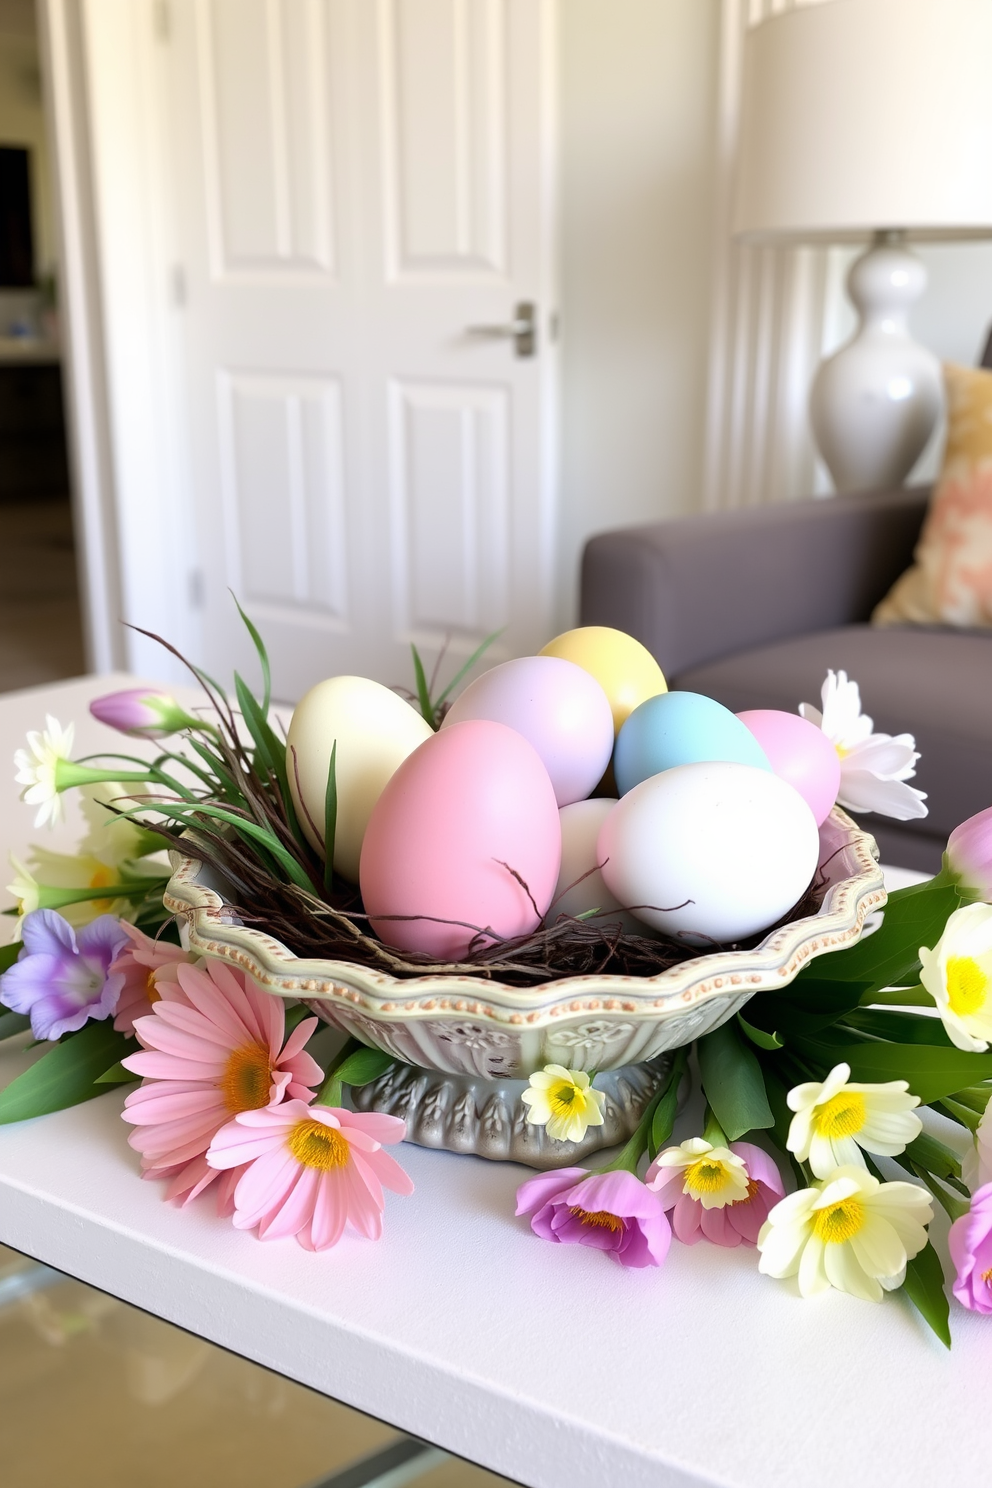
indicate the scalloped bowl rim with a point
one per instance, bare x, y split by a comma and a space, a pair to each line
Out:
212, 931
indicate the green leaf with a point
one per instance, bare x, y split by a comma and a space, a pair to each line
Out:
932, 1072
364, 1066
924, 1286
423, 691
9, 954
758, 1035
263, 656
462, 670
665, 1112
733, 1083
330, 815
913, 917
187, 814
776, 1091
932, 1156
805, 1006
898, 1027
66, 1075
11, 1023
116, 1075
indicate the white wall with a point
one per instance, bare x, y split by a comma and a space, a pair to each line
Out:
638, 105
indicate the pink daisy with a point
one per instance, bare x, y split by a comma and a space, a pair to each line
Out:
213, 1047
309, 1170
144, 963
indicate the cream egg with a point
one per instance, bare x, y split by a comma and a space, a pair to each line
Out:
374, 730
580, 885
710, 851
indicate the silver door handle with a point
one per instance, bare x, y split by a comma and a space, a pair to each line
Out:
521, 330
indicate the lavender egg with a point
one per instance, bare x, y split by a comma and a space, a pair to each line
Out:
558, 708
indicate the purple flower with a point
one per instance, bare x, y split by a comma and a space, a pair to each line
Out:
61, 980
608, 1211
969, 854
142, 711
970, 1244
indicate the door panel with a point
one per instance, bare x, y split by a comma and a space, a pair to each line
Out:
354, 192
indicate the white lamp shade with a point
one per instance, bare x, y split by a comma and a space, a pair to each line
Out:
859, 115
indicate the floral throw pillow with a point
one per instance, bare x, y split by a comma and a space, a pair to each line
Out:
950, 582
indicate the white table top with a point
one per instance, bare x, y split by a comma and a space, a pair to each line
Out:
549, 1364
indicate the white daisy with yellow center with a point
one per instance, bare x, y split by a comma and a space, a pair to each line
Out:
713, 1175
850, 1232
958, 975
836, 1119
563, 1102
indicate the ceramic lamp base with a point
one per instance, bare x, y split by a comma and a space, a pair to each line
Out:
486, 1118
875, 403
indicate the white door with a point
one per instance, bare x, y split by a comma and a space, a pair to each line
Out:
359, 183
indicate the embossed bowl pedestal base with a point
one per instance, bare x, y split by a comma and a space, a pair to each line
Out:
470, 1114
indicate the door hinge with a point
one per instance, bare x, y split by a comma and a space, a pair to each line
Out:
194, 587
177, 285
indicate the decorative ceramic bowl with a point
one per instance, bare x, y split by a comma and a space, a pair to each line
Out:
470, 1025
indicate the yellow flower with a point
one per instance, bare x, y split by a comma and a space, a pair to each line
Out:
850, 1232
563, 1102
713, 1175
958, 975
836, 1119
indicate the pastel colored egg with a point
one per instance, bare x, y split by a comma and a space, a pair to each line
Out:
624, 669
800, 753
374, 731
681, 728
580, 885
715, 852
558, 708
463, 830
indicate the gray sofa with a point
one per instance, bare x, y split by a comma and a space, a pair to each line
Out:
751, 607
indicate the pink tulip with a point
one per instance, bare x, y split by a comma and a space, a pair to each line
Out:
970, 1244
143, 712
607, 1211
969, 854
731, 1223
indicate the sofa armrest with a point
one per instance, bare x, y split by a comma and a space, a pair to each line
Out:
700, 588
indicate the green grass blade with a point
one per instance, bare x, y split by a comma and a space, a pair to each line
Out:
423, 691
263, 656
330, 815
463, 670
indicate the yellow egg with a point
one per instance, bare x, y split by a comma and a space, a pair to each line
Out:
624, 669
375, 731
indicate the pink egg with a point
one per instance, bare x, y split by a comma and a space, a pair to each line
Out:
800, 753
468, 806
558, 707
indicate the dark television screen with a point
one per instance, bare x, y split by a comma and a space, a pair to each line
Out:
16, 245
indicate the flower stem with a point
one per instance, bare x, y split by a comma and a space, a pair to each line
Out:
959, 1113
635, 1149
713, 1132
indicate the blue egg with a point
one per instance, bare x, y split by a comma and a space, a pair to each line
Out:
681, 728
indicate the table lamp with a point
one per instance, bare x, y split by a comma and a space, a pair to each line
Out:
870, 120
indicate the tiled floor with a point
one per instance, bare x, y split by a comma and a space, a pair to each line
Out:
40, 630
98, 1395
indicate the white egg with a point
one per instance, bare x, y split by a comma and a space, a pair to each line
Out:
374, 730
716, 851
580, 889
